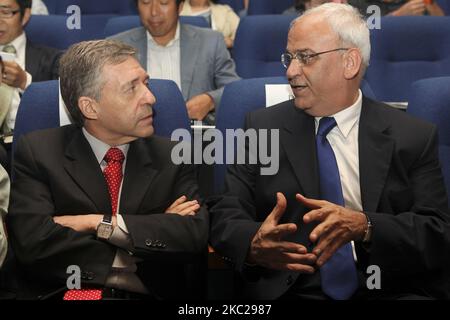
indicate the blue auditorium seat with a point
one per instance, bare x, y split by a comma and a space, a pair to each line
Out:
259, 43
429, 99
52, 30
268, 6
407, 49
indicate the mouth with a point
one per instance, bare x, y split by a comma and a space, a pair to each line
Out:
148, 118
298, 87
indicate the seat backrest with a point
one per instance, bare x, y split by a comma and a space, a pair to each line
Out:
237, 5
120, 24
445, 5
238, 99
429, 99
39, 108
407, 49
92, 7
268, 6
259, 43
53, 30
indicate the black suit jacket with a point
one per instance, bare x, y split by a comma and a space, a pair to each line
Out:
63, 177
402, 191
41, 62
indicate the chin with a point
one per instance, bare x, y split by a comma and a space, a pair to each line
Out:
147, 132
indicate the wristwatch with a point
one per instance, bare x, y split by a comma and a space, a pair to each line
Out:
368, 233
105, 227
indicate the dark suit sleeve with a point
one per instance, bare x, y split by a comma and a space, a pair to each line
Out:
233, 214
418, 239
166, 236
42, 62
43, 247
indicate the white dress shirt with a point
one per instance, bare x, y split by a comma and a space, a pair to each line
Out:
164, 62
343, 139
122, 275
20, 45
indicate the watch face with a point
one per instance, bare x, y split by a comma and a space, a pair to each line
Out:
104, 230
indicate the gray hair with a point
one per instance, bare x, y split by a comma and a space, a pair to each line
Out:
347, 23
81, 69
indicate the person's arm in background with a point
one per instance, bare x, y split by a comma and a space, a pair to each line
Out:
434, 9
418, 8
4, 201
38, 7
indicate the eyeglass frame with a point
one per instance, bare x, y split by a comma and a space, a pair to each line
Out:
12, 12
309, 56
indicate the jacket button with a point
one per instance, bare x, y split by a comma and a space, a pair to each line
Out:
148, 242
289, 280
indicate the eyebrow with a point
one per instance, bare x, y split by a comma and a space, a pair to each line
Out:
130, 83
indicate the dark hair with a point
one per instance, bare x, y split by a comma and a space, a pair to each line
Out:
23, 4
178, 2
300, 5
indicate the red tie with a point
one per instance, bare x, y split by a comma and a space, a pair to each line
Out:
113, 176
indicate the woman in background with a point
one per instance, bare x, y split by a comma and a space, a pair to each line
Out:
220, 17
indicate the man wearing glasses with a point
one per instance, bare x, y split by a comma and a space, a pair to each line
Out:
359, 183
24, 62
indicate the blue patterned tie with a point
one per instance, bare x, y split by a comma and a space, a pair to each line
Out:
338, 274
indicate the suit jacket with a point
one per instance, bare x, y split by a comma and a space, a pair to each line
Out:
42, 62
206, 64
402, 191
62, 177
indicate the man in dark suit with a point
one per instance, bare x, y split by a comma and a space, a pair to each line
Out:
104, 195
367, 191
27, 62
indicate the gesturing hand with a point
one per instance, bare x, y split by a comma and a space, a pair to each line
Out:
269, 250
337, 226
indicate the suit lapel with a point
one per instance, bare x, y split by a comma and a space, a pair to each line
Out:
81, 164
137, 178
375, 154
298, 141
188, 58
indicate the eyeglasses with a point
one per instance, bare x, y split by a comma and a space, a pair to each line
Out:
302, 57
8, 13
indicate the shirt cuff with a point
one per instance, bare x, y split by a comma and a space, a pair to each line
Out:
29, 80
120, 236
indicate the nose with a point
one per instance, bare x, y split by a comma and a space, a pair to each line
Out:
154, 8
149, 97
295, 69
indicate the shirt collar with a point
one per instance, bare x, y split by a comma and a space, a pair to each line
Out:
171, 43
100, 148
19, 43
347, 118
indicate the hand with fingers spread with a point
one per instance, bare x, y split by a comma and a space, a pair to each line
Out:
336, 226
183, 207
268, 249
